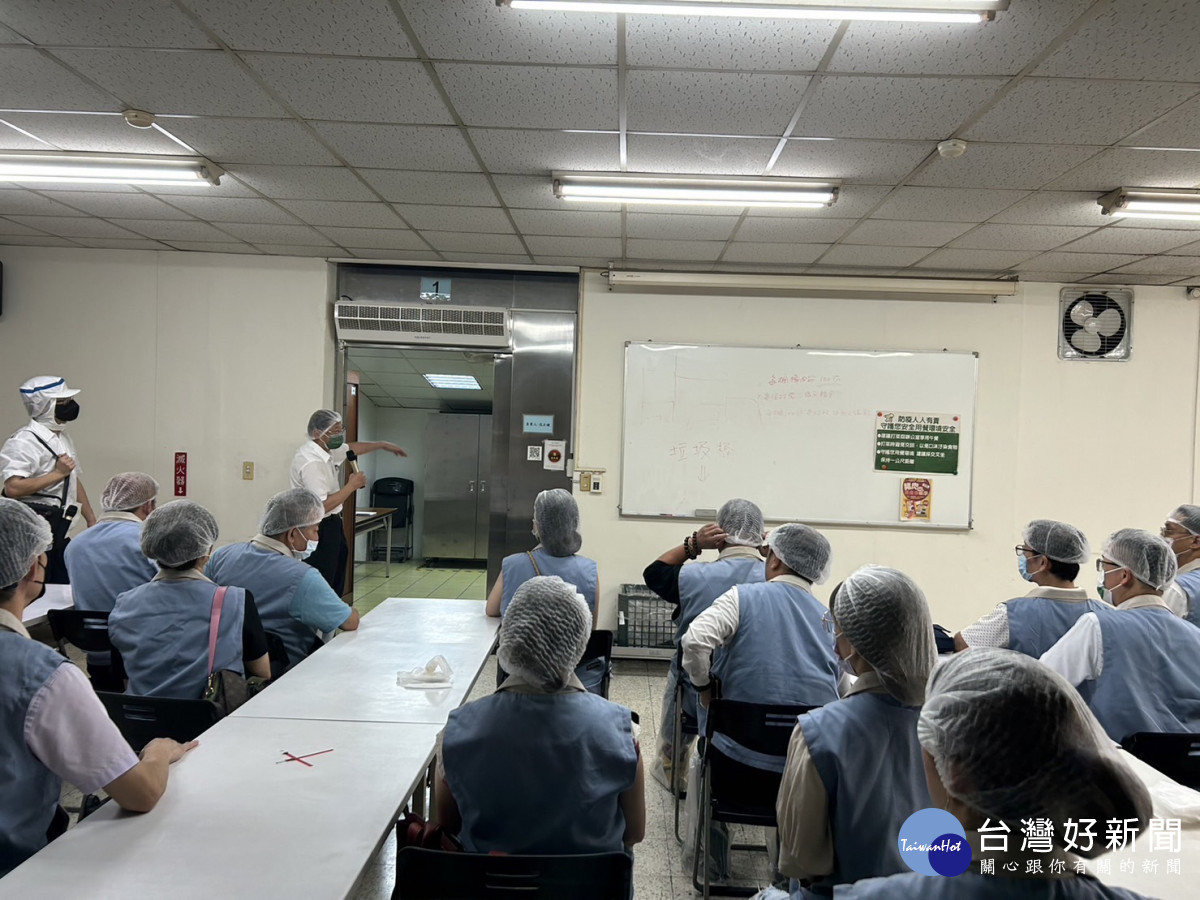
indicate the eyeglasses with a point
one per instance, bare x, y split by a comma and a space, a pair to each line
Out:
1101, 563
1022, 550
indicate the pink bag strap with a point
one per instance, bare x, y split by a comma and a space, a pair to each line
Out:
214, 621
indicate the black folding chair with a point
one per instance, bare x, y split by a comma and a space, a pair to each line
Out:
142, 719
277, 655
733, 792
594, 670
1175, 755
436, 875
88, 630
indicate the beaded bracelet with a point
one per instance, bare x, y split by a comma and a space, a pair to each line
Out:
687, 548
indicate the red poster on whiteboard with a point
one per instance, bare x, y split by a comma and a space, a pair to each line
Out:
180, 474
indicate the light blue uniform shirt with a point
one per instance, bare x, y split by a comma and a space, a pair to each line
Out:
517, 569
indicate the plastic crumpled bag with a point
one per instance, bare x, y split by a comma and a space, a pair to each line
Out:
434, 674
1171, 799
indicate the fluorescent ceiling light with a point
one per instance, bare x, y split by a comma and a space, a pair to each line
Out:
951, 11
38, 167
1152, 203
814, 285
693, 190
453, 382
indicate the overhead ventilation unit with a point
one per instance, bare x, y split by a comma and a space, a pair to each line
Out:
1095, 325
395, 323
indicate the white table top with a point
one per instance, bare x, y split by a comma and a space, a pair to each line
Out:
233, 823
57, 596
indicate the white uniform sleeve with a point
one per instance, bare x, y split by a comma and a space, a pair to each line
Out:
990, 631
313, 478
1176, 599
1079, 654
711, 629
20, 459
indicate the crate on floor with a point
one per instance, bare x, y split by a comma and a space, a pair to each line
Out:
644, 626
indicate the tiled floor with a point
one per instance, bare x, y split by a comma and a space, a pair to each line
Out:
410, 579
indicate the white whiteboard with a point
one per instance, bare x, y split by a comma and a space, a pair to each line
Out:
791, 429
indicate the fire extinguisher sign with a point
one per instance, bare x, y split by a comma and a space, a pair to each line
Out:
180, 474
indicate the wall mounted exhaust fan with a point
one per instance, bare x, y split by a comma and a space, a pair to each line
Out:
1095, 325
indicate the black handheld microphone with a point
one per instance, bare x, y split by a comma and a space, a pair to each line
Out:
352, 461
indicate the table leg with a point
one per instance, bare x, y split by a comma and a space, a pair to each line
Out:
387, 566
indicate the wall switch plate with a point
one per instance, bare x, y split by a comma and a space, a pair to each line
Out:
595, 484
585, 481
247, 471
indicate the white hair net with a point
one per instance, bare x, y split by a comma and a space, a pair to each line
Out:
127, 491
1012, 739
742, 522
884, 615
1188, 517
1146, 555
546, 628
321, 421
802, 549
178, 533
40, 393
1057, 540
556, 522
294, 508
24, 536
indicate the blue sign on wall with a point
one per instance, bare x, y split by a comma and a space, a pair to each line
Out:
538, 424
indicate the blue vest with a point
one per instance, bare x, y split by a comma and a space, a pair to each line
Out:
1150, 678
780, 654
29, 790
866, 751
577, 570
1036, 623
273, 579
972, 886
702, 583
540, 773
1189, 583
161, 629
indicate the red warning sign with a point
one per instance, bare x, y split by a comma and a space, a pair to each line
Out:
180, 474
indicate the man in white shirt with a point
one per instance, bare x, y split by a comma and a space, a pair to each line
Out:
315, 468
38, 466
1182, 532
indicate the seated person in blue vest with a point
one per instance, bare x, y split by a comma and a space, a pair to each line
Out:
1137, 666
542, 766
736, 536
1003, 740
53, 726
107, 560
1049, 555
293, 600
161, 628
764, 643
1182, 532
854, 771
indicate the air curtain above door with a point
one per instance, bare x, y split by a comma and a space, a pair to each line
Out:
395, 323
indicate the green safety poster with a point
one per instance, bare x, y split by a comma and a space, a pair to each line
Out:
916, 442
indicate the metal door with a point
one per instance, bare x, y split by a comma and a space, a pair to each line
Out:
451, 486
482, 511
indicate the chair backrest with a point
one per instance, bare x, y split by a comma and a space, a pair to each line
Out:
436, 875
142, 719
397, 492
1175, 755
277, 654
86, 630
595, 668
763, 728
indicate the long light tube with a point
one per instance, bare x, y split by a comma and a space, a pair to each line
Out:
1152, 203
945, 11
813, 285
693, 190
36, 167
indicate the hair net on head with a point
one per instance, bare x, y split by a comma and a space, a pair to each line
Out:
884, 615
1146, 555
321, 421
40, 393
546, 628
1057, 540
178, 532
556, 522
802, 549
294, 508
127, 491
742, 523
1188, 517
1012, 739
24, 536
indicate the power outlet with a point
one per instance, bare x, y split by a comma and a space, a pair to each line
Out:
595, 484
247, 471
585, 482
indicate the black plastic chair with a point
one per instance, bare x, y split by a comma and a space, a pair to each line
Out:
142, 719
594, 669
436, 875
277, 654
1175, 755
88, 630
733, 792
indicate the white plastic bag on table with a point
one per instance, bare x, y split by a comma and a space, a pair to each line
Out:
434, 674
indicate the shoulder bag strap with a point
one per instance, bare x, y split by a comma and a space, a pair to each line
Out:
214, 621
533, 562
66, 481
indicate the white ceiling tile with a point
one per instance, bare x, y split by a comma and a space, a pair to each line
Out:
695, 154
567, 223
122, 244
507, 259
1004, 166
225, 209
705, 251
350, 215
377, 238
945, 204
174, 82
1131, 240
802, 230
7, 226
163, 230
863, 162
230, 186
297, 250
976, 260
1054, 208
385, 253
121, 206
893, 108
788, 253
304, 182
1178, 128
532, 96
467, 29
8, 36
1122, 166
904, 234
65, 226
263, 141
696, 42
433, 147
474, 243
274, 234
356, 90
36, 241
540, 152
32, 81
12, 139
1019, 237
212, 247
680, 227
1053, 277
1161, 265
1129, 278
1075, 111
18, 202
712, 102
96, 133
609, 248
103, 23
1076, 262
535, 192
307, 26
440, 189
456, 218
1187, 249
873, 257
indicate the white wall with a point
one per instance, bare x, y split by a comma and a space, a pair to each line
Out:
221, 356
1102, 445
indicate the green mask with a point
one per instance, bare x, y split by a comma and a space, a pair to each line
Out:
334, 441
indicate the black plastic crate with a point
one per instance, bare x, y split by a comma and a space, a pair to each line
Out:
644, 619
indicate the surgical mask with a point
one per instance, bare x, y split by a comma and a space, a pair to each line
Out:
1105, 593
844, 665
309, 549
1023, 567
334, 441
66, 410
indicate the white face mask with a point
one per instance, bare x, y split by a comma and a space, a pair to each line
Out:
1101, 577
309, 549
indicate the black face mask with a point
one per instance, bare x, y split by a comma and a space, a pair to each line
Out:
66, 410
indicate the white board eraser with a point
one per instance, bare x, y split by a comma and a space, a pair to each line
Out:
706, 514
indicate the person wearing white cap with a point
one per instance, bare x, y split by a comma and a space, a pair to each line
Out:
1182, 532
52, 725
38, 465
